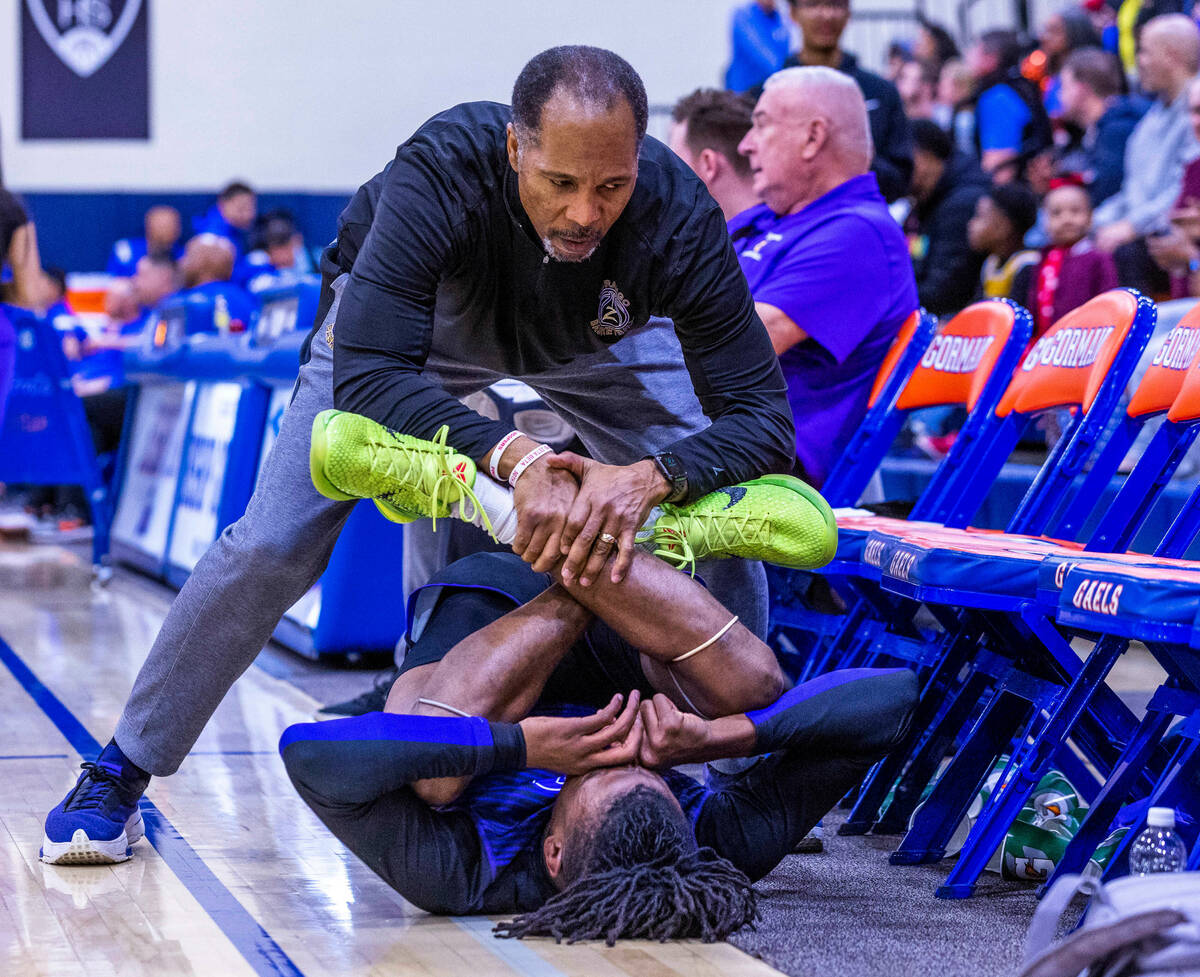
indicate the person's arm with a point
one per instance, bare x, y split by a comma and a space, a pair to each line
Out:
384, 327
1151, 214
854, 711
23, 258
783, 331
733, 367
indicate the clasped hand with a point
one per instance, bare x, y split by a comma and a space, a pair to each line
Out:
567, 505
653, 733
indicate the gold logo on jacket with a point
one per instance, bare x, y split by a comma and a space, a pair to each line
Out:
613, 319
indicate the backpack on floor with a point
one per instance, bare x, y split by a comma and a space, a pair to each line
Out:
1143, 925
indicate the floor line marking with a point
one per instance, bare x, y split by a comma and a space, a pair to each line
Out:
36, 756
522, 958
247, 935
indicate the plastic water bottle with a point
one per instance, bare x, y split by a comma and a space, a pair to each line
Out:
1158, 848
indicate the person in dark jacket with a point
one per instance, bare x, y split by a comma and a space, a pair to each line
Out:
533, 242
1093, 98
946, 186
822, 23
1011, 124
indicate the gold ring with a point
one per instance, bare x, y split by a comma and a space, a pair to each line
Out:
606, 538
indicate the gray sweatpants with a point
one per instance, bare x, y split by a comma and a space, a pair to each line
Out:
629, 401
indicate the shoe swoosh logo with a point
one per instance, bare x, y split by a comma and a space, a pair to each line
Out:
736, 493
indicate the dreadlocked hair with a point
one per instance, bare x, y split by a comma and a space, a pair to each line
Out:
640, 875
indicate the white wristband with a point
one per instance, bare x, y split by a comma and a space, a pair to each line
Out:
494, 460
529, 459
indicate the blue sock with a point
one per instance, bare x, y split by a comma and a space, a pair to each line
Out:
112, 757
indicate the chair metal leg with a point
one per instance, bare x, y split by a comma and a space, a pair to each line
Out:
951, 797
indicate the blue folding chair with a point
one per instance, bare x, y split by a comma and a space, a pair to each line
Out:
1083, 362
1039, 576
45, 439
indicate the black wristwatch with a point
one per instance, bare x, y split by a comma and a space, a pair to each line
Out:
673, 471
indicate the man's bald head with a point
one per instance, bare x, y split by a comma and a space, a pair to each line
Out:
810, 134
832, 95
207, 258
1168, 54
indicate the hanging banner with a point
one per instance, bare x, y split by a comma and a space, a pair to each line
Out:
85, 69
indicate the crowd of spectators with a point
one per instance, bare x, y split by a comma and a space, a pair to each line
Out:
1096, 107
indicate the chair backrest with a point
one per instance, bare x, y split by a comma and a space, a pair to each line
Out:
965, 361
855, 465
45, 439
968, 364
1082, 364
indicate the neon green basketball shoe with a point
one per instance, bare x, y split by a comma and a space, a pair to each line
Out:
776, 518
354, 457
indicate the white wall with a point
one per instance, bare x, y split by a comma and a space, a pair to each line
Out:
312, 95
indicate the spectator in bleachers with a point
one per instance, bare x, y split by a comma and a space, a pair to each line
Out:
1177, 250
917, 84
1062, 33
826, 263
163, 228
157, 276
899, 53
1003, 216
822, 23
706, 128
231, 217
1011, 124
206, 270
1071, 271
279, 256
1093, 99
27, 286
760, 41
934, 46
953, 110
946, 186
55, 295
1159, 148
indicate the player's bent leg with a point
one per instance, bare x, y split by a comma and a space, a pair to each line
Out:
693, 649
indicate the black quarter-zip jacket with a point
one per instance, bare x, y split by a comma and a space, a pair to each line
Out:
450, 265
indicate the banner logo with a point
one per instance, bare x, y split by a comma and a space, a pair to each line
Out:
84, 34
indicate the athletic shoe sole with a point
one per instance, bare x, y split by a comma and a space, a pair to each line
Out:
82, 850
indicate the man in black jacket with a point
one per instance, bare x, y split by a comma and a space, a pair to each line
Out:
946, 186
822, 23
520, 243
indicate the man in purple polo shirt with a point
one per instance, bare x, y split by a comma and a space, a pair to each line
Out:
828, 267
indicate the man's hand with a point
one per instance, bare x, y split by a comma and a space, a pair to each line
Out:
1112, 236
612, 500
543, 498
1171, 251
610, 738
670, 736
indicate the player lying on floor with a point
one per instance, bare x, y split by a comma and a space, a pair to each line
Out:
486, 788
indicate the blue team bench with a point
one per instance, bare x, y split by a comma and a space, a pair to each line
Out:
906, 478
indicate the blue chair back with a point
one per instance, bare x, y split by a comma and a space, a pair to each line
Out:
45, 439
